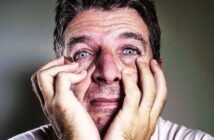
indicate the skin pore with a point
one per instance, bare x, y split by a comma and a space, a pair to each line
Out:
105, 43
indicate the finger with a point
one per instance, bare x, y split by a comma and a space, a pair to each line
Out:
64, 81
161, 90
36, 89
55, 62
148, 86
46, 79
34, 79
132, 92
38, 93
81, 91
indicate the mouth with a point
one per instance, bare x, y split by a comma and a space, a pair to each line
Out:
103, 102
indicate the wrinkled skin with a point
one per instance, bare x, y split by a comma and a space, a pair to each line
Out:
106, 86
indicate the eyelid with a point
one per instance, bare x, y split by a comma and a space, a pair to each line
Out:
130, 46
81, 51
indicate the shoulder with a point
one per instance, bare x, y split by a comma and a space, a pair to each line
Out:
166, 130
44, 132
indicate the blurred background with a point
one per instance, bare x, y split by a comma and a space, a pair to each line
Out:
26, 43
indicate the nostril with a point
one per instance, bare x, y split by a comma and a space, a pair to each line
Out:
100, 79
116, 79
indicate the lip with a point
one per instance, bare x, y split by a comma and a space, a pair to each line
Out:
105, 102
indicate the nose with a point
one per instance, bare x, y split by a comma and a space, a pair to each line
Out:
106, 70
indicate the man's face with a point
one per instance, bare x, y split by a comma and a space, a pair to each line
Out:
104, 43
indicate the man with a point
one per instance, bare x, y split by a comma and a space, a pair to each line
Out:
107, 81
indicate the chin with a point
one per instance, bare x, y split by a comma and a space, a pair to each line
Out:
103, 118
103, 123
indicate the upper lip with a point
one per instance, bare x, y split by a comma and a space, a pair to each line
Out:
106, 100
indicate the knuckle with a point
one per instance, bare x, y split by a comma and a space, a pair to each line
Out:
61, 76
152, 91
163, 101
152, 97
143, 66
163, 91
42, 74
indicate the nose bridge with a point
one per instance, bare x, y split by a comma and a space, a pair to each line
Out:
108, 60
107, 69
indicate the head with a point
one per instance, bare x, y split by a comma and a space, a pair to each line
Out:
105, 37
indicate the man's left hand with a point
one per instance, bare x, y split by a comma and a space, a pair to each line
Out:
142, 106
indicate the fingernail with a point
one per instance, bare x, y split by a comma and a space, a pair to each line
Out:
155, 62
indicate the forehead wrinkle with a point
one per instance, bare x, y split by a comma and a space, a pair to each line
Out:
103, 22
104, 18
77, 39
103, 29
99, 14
97, 25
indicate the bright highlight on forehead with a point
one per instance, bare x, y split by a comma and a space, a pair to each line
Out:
107, 20
101, 15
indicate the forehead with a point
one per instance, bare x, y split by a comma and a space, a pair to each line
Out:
102, 23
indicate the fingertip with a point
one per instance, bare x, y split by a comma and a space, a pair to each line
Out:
140, 60
154, 61
141, 64
84, 72
124, 71
59, 60
154, 65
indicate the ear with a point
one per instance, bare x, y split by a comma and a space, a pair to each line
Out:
160, 62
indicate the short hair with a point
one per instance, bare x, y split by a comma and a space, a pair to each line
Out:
66, 10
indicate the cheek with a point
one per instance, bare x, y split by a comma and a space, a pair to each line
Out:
127, 60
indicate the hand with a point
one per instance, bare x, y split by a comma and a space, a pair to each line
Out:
141, 108
52, 84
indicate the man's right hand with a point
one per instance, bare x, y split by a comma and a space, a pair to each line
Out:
52, 84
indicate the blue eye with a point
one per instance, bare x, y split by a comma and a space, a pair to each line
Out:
79, 55
130, 51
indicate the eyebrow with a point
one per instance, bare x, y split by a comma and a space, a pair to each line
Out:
132, 35
83, 39
78, 39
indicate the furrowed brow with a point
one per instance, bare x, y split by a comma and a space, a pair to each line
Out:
77, 39
131, 35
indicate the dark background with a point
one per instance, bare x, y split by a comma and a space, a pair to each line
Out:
26, 28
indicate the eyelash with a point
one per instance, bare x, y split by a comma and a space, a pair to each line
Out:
137, 51
77, 57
